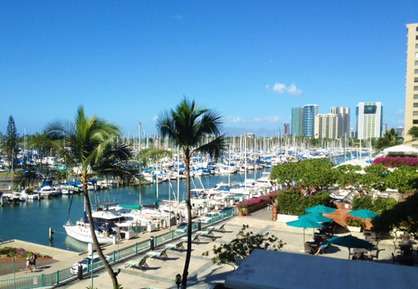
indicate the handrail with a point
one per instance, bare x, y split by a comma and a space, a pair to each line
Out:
64, 276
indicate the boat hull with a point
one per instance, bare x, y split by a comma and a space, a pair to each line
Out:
83, 235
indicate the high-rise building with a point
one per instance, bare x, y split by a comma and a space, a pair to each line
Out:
286, 129
297, 121
326, 126
309, 113
369, 120
411, 95
343, 116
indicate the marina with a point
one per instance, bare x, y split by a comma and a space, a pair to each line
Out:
53, 213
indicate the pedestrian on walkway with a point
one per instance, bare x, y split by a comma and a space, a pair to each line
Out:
28, 263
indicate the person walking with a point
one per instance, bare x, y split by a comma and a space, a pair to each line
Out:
35, 257
28, 263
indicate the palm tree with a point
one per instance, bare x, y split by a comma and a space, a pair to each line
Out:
193, 130
390, 138
91, 144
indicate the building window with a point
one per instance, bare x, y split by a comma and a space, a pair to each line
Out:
415, 121
415, 113
415, 96
415, 104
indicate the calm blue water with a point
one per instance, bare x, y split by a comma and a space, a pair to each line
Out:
30, 221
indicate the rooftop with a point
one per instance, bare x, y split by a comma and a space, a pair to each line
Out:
297, 271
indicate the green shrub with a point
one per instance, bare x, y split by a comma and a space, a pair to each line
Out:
295, 203
378, 205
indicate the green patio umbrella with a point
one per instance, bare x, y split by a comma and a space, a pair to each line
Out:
363, 213
304, 223
350, 241
318, 218
320, 209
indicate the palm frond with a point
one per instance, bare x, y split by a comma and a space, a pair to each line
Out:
188, 126
214, 147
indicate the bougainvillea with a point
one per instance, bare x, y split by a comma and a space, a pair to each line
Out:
396, 161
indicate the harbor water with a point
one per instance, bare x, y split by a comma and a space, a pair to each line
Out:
30, 221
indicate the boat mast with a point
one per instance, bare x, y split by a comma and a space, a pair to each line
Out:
229, 165
178, 174
245, 161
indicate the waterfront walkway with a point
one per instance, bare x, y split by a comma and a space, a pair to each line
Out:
66, 258
203, 273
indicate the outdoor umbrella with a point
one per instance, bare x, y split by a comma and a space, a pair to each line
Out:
320, 209
363, 214
304, 223
350, 241
318, 218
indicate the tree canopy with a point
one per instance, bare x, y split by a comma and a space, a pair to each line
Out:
11, 142
309, 175
152, 155
243, 244
390, 138
404, 216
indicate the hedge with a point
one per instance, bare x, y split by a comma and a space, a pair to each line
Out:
295, 203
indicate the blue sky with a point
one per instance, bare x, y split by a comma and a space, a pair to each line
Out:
128, 61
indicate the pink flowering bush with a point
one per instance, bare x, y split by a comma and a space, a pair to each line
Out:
396, 161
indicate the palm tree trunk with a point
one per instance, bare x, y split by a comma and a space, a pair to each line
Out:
189, 225
96, 244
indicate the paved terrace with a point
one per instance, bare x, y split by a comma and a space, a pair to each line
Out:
66, 258
203, 273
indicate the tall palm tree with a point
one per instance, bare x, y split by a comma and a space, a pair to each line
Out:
91, 144
193, 130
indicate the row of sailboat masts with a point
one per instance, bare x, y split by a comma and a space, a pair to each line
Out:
236, 143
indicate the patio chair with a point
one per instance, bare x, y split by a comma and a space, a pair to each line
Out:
208, 234
220, 229
180, 245
139, 264
158, 254
170, 246
143, 263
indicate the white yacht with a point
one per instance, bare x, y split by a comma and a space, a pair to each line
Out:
104, 222
80, 231
47, 192
25, 196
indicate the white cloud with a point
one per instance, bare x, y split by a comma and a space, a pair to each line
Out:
282, 88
